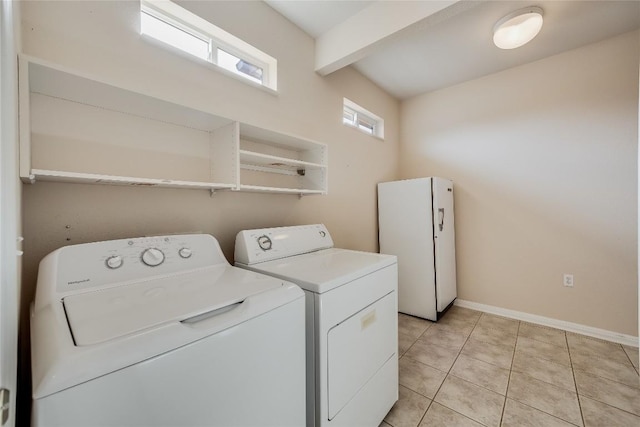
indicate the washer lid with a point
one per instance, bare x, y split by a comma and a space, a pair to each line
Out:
101, 315
327, 269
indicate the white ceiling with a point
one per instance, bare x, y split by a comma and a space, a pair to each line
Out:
454, 44
316, 17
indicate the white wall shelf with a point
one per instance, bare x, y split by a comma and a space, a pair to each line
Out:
259, 189
76, 128
280, 163
88, 178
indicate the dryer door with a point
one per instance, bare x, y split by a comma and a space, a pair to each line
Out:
357, 348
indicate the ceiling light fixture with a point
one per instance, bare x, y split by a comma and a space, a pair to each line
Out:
518, 28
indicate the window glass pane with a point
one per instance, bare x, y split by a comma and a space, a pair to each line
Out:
348, 116
239, 66
367, 127
174, 36
366, 122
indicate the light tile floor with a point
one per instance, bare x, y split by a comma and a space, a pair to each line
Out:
474, 369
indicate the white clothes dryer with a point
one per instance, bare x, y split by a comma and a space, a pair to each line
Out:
163, 331
351, 319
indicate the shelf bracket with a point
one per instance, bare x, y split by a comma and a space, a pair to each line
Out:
212, 192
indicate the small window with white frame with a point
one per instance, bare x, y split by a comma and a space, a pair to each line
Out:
361, 119
173, 25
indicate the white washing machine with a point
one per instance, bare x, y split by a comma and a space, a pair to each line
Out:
351, 319
162, 331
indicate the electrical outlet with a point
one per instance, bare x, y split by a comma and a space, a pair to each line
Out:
568, 280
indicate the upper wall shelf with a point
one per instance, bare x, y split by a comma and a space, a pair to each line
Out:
76, 128
276, 162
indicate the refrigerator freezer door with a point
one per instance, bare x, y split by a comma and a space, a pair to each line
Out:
405, 219
444, 242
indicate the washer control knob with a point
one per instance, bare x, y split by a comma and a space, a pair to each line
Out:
152, 257
264, 242
114, 262
185, 253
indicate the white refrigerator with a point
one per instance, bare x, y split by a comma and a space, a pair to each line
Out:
415, 219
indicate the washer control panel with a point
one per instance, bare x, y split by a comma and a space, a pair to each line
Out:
267, 244
97, 264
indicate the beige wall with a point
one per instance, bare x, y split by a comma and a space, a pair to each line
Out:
101, 38
544, 160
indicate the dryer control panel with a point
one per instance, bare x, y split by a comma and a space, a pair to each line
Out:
99, 264
267, 244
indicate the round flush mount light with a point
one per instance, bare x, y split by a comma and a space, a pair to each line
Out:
518, 28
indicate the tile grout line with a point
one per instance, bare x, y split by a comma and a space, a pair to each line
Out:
434, 395
546, 382
599, 400
629, 357
600, 357
406, 351
593, 374
575, 382
425, 412
439, 387
489, 363
545, 342
415, 340
513, 357
447, 375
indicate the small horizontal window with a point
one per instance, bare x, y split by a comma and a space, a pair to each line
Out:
356, 116
171, 24
240, 66
175, 36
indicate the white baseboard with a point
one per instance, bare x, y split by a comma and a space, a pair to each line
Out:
553, 323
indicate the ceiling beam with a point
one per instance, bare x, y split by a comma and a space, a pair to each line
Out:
376, 25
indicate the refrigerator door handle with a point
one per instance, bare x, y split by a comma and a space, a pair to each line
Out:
441, 220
